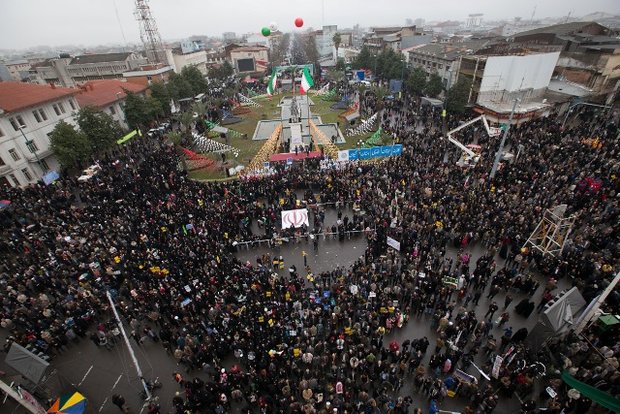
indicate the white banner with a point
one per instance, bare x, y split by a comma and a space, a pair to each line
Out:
496, 366
294, 218
343, 155
393, 243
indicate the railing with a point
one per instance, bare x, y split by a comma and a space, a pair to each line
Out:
257, 243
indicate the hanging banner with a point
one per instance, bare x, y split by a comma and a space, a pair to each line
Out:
372, 152
129, 136
294, 218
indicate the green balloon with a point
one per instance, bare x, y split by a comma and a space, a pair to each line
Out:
265, 31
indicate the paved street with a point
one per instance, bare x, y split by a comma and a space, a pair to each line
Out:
98, 373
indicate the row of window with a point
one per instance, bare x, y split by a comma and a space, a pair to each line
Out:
17, 122
428, 63
95, 69
12, 179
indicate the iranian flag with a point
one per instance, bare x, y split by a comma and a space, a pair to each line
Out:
306, 81
271, 86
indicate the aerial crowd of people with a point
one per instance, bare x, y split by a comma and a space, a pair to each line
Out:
163, 245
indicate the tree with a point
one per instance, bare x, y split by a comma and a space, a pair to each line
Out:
458, 95
434, 86
136, 113
160, 92
100, 128
337, 39
340, 65
153, 108
179, 87
279, 48
221, 72
416, 82
365, 60
186, 119
390, 65
195, 78
70, 146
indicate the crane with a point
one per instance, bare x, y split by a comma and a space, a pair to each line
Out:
468, 153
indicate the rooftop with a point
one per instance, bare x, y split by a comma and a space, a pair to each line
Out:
99, 58
100, 93
559, 29
15, 96
444, 51
250, 49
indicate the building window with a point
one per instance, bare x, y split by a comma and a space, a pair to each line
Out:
1, 133
56, 109
27, 174
72, 104
14, 179
112, 110
14, 154
17, 122
45, 166
62, 107
39, 115
2, 163
32, 146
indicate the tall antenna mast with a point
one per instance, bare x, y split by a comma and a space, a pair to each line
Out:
148, 33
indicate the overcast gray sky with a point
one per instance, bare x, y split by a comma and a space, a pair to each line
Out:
26, 23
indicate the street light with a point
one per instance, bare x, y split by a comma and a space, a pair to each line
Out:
360, 142
31, 149
498, 156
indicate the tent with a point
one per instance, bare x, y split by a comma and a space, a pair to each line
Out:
558, 317
26, 363
69, 404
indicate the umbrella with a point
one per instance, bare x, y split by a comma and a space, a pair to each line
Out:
4, 204
69, 404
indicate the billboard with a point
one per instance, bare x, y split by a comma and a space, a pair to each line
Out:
294, 218
245, 65
514, 73
373, 152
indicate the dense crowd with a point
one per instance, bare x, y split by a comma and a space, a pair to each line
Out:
163, 245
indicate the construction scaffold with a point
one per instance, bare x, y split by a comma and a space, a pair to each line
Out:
329, 148
265, 152
552, 232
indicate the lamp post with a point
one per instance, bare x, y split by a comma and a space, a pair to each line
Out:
360, 142
31, 149
498, 156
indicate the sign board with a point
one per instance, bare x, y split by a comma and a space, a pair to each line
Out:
289, 161
266, 165
294, 218
496, 366
343, 155
393, 243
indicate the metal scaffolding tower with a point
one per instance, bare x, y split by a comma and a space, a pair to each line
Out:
149, 34
552, 231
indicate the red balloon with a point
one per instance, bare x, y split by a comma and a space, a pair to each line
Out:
299, 22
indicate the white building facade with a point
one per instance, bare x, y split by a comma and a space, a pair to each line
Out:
28, 115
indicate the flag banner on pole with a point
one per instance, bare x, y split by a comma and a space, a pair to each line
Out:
271, 86
294, 218
306, 81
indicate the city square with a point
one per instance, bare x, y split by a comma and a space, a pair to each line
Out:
411, 219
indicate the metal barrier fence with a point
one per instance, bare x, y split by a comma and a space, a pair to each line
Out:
270, 242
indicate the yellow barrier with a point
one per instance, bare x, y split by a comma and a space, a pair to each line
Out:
265, 152
328, 147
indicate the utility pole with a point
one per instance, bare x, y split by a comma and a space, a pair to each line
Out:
498, 156
131, 352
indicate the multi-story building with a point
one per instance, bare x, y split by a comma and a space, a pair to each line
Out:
497, 82
395, 38
18, 69
109, 96
178, 59
440, 59
324, 40
71, 71
247, 59
148, 74
589, 54
28, 114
